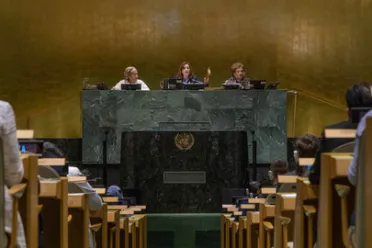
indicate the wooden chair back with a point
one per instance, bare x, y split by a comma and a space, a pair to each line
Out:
306, 193
113, 218
29, 202
267, 213
100, 216
78, 231
364, 186
54, 198
334, 168
284, 218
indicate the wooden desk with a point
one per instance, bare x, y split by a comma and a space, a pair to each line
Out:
266, 211
285, 203
332, 166
305, 191
253, 219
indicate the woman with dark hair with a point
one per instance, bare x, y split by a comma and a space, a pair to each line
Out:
188, 77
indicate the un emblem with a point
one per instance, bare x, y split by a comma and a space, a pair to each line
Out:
184, 141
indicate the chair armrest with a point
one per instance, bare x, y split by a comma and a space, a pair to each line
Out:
39, 208
284, 220
342, 190
95, 227
309, 210
69, 218
17, 190
268, 226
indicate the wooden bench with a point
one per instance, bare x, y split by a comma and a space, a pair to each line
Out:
333, 166
284, 214
54, 199
267, 213
305, 192
78, 231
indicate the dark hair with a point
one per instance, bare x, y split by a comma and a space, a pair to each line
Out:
279, 167
359, 95
182, 65
307, 146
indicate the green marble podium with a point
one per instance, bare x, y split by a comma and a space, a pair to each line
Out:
108, 114
112, 112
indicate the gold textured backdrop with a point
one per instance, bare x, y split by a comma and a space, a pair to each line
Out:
47, 47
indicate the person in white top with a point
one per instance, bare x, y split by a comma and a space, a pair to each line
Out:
13, 168
131, 77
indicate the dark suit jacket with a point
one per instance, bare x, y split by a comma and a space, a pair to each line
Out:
327, 145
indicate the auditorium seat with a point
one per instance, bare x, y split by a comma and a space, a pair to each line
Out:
113, 218
306, 193
100, 218
78, 231
252, 229
29, 201
334, 167
363, 238
54, 198
284, 216
267, 213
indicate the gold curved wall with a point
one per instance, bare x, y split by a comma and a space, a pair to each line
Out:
47, 48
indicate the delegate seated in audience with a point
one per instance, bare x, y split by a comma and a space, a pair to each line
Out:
94, 200
13, 168
131, 77
186, 74
305, 147
238, 76
277, 167
114, 190
358, 95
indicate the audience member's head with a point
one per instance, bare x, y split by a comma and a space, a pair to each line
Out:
357, 96
306, 147
278, 167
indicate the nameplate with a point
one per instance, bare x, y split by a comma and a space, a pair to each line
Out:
247, 206
184, 177
340, 133
51, 161
256, 200
110, 199
268, 190
287, 179
77, 179
117, 207
25, 134
228, 205
306, 161
100, 191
